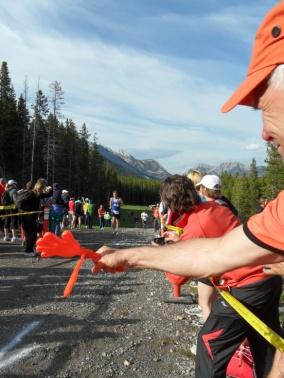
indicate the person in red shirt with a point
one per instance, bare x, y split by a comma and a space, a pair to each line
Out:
101, 215
2, 212
71, 212
156, 217
224, 330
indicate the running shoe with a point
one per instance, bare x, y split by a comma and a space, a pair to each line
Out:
194, 310
14, 239
193, 349
193, 283
6, 238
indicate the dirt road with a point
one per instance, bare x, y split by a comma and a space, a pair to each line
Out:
112, 325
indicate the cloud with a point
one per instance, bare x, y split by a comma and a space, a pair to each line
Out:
253, 147
158, 105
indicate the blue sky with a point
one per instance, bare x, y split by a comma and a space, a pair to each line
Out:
147, 76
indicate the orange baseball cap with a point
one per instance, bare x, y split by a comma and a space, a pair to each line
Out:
267, 54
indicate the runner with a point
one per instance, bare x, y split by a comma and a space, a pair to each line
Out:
261, 239
114, 204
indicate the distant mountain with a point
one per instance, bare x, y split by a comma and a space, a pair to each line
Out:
232, 168
126, 163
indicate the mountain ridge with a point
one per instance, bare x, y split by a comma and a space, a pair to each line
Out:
147, 168
151, 169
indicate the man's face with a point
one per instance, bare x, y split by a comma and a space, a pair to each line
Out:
271, 103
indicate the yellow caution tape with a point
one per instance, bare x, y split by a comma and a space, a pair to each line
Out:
20, 214
177, 230
8, 207
263, 329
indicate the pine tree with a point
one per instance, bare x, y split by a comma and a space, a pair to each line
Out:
254, 187
39, 135
52, 126
83, 161
24, 119
10, 131
240, 197
274, 173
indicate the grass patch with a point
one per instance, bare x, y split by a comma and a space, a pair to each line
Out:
131, 216
134, 208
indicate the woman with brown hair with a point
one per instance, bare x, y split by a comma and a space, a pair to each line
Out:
28, 201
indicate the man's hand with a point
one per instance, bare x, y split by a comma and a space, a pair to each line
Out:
274, 269
112, 261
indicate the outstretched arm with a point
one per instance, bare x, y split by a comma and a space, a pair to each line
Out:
196, 257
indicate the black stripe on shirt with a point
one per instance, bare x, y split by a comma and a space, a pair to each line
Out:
260, 243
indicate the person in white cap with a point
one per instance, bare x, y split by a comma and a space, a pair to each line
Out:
209, 188
261, 239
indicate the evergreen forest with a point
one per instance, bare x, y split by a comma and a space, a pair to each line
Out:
36, 141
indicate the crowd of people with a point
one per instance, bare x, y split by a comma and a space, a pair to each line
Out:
23, 209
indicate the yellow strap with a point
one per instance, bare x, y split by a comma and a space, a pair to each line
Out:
177, 230
263, 329
9, 207
20, 214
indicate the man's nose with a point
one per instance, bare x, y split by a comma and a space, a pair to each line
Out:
266, 136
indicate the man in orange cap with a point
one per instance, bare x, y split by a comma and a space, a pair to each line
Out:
261, 239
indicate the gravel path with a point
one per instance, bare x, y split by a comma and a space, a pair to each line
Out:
111, 326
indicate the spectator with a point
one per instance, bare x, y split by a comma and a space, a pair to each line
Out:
71, 212
194, 176
85, 202
163, 211
56, 210
101, 215
144, 218
210, 220
31, 202
210, 189
9, 198
66, 198
78, 212
90, 213
107, 218
2, 212
156, 218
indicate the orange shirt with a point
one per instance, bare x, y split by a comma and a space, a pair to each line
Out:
266, 229
211, 220
101, 212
